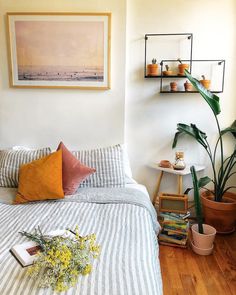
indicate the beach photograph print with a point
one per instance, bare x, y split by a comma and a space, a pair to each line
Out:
60, 50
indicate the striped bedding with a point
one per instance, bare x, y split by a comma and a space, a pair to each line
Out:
125, 224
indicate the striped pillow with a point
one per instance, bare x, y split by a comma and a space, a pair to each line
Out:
109, 165
11, 160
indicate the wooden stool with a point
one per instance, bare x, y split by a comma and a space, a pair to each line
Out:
178, 173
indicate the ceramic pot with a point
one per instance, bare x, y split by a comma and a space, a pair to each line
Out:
187, 86
167, 73
200, 251
152, 69
221, 215
181, 68
206, 83
203, 241
165, 164
173, 86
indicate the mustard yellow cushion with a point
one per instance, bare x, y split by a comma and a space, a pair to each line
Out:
41, 179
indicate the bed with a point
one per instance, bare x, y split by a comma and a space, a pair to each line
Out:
126, 227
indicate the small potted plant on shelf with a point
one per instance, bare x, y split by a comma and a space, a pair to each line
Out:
203, 234
152, 69
219, 204
188, 86
182, 67
205, 83
173, 86
168, 72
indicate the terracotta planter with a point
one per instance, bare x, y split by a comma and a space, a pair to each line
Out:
173, 86
221, 215
206, 83
152, 69
167, 73
188, 86
203, 243
181, 68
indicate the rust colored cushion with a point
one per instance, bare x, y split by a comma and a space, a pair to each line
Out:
41, 179
73, 171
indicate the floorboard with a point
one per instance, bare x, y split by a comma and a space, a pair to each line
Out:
186, 273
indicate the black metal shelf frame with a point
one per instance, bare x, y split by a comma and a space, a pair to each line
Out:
219, 62
189, 37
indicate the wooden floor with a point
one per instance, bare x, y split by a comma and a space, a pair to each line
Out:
185, 272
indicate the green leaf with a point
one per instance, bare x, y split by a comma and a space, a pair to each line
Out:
231, 129
176, 139
210, 98
204, 181
192, 131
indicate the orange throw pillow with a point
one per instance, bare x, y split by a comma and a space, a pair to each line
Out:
41, 179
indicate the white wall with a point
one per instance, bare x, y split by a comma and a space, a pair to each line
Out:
81, 118
151, 117
84, 119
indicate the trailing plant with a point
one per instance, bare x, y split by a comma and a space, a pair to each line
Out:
227, 165
197, 202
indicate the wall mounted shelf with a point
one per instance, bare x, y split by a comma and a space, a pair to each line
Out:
164, 77
212, 63
186, 92
197, 67
185, 36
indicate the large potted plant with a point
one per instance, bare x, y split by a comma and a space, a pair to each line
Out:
219, 205
203, 234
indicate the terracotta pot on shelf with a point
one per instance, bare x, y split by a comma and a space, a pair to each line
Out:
173, 86
167, 72
181, 68
202, 244
205, 83
152, 69
188, 86
221, 215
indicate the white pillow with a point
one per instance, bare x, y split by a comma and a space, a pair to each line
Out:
109, 165
11, 160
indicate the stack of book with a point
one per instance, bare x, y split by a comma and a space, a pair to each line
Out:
174, 229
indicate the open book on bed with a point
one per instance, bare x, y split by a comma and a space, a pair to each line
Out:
26, 253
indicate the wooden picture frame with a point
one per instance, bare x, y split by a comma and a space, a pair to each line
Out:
173, 203
59, 50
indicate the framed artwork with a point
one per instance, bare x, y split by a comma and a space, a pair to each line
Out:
59, 50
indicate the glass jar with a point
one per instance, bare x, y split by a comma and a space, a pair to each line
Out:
179, 161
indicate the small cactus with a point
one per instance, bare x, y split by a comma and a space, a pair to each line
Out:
179, 60
203, 77
167, 67
154, 61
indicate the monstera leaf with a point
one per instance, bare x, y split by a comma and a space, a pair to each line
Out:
210, 98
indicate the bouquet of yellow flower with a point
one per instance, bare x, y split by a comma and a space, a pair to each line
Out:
62, 259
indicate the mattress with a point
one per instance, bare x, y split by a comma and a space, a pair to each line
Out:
126, 227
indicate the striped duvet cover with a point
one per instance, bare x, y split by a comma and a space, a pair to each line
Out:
125, 224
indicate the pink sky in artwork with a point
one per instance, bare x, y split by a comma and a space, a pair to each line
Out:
60, 43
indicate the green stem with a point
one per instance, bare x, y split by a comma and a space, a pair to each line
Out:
226, 174
217, 196
233, 186
212, 164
